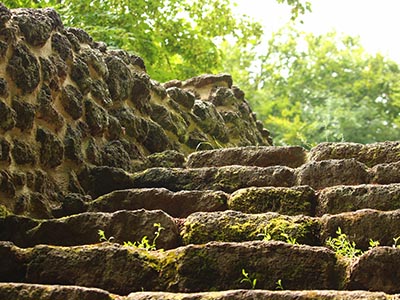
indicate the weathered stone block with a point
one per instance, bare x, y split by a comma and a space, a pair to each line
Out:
114, 155
123, 226
341, 198
376, 270
12, 267
23, 153
119, 79
51, 148
362, 226
61, 45
227, 179
96, 117
218, 266
25, 114
179, 204
71, 99
7, 117
23, 68
289, 201
81, 75
326, 173
386, 173
369, 154
249, 156
233, 226
184, 98
26, 291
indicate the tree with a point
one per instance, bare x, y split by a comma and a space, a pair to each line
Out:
309, 89
176, 38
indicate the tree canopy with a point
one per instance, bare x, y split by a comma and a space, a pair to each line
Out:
313, 88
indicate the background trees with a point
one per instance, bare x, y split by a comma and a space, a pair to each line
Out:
310, 89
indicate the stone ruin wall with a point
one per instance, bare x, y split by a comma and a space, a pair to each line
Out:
67, 103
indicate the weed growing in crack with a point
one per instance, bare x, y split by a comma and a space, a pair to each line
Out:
266, 236
247, 278
343, 246
103, 238
373, 244
144, 243
395, 241
279, 285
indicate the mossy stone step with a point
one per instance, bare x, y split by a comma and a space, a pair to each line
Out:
262, 156
265, 295
290, 201
208, 267
232, 226
29, 291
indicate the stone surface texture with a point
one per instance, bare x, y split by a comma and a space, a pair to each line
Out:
115, 186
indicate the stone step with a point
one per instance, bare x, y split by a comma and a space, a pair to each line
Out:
292, 157
103, 180
179, 204
232, 226
363, 225
194, 268
369, 154
284, 200
290, 201
29, 291
263, 295
338, 199
98, 181
200, 268
82, 229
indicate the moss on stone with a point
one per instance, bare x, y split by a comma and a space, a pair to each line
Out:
4, 211
290, 201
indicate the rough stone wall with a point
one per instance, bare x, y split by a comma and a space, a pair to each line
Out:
67, 104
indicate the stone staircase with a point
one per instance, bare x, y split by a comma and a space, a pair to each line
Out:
234, 223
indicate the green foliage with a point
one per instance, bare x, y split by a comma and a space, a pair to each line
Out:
281, 232
395, 241
343, 246
279, 285
103, 238
144, 243
247, 278
373, 244
314, 88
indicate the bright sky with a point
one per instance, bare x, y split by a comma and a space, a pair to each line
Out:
377, 22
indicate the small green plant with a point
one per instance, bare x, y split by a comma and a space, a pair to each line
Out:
144, 243
266, 236
342, 245
373, 244
289, 239
247, 278
279, 285
395, 240
103, 238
